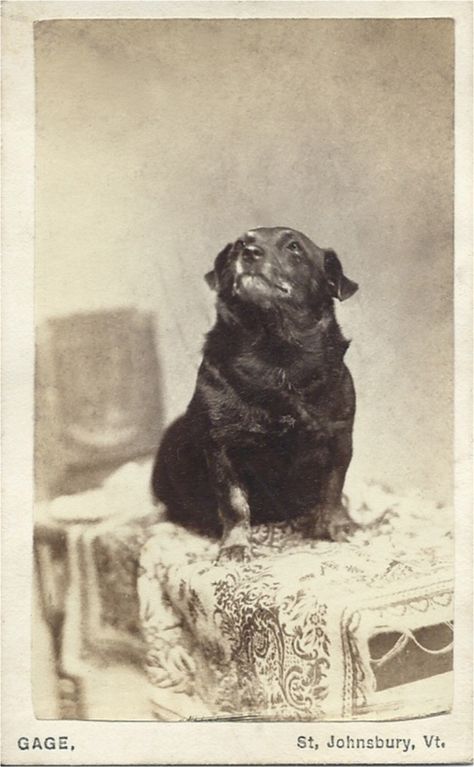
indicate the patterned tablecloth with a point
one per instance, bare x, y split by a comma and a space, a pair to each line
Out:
287, 636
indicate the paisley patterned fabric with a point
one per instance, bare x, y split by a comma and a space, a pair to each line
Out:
286, 636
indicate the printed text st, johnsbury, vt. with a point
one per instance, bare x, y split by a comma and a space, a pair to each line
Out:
345, 742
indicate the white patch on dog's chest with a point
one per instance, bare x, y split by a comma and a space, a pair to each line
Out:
281, 377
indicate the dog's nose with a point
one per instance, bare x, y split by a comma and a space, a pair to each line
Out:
252, 253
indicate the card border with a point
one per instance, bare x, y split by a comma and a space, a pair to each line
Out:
17, 396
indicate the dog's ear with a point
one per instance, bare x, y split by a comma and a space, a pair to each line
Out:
339, 285
212, 277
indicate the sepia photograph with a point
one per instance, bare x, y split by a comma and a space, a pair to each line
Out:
243, 394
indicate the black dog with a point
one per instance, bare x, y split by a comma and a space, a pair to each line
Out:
268, 433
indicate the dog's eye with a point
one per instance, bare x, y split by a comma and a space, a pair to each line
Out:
294, 246
295, 249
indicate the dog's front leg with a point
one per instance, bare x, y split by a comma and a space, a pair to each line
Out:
331, 518
233, 505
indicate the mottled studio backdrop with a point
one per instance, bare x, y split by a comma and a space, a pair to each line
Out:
160, 141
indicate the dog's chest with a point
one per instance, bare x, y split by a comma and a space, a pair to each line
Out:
276, 399
285, 375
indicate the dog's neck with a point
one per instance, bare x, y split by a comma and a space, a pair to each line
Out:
303, 341
288, 325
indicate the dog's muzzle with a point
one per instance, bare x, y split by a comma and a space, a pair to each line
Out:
254, 276
258, 283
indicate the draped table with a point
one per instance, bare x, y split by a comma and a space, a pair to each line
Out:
307, 630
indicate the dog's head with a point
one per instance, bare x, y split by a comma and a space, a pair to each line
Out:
277, 266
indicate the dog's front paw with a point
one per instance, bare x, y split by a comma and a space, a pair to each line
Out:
235, 546
333, 524
234, 553
341, 528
